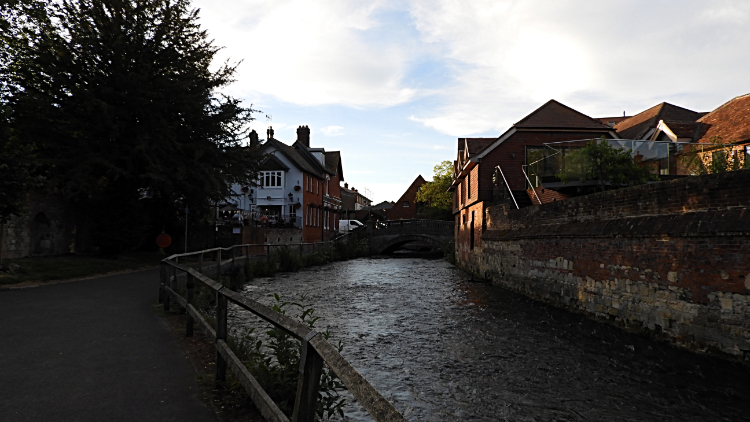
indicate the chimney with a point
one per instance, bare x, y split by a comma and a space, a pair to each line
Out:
346, 186
303, 136
253, 138
269, 132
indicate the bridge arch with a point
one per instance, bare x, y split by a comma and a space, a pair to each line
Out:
389, 244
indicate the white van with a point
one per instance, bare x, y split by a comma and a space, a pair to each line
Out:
349, 225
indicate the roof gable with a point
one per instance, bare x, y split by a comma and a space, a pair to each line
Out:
638, 126
271, 162
730, 121
559, 116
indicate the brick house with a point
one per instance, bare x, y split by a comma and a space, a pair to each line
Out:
477, 183
406, 206
298, 185
352, 201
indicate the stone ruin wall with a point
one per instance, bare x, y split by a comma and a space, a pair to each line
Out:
672, 257
44, 229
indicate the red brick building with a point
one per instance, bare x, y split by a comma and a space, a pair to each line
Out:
478, 158
406, 206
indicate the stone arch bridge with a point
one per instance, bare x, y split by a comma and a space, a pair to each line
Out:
388, 236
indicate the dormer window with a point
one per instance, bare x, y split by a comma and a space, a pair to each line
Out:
271, 179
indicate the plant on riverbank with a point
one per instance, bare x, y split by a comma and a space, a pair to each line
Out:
276, 366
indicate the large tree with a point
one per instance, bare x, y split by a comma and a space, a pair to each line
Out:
122, 102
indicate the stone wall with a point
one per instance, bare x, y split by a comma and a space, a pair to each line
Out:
673, 257
271, 236
45, 228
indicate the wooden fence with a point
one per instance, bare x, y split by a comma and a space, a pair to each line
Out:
315, 349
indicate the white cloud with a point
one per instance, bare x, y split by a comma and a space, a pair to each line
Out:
309, 53
332, 130
507, 58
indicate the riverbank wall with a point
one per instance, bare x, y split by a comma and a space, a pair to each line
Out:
671, 257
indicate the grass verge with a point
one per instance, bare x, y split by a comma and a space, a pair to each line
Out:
64, 267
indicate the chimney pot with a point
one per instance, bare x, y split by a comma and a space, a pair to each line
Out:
303, 136
253, 138
269, 132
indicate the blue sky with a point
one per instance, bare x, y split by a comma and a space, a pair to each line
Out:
392, 84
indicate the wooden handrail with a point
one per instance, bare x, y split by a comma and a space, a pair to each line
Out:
315, 349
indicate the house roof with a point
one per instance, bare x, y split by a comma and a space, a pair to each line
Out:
475, 145
304, 151
333, 163
639, 125
271, 162
682, 129
731, 121
419, 181
554, 115
611, 121
294, 155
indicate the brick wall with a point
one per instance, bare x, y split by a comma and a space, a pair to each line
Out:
672, 257
399, 211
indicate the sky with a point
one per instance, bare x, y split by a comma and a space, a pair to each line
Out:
393, 84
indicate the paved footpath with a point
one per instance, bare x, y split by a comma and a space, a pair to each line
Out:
93, 350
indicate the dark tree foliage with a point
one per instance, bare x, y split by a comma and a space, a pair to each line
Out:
122, 103
19, 173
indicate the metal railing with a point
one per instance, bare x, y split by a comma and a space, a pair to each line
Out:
411, 226
507, 186
315, 349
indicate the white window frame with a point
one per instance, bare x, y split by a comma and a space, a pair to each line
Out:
272, 179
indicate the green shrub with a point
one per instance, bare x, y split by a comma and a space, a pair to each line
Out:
276, 366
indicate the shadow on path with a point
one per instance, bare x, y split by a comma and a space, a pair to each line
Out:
93, 350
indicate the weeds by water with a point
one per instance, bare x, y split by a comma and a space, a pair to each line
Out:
276, 364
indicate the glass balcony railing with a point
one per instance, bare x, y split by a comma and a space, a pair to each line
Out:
548, 165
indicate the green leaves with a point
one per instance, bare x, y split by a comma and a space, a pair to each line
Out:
610, 167
435, 193
120, 98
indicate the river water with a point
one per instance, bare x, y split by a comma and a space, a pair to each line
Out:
444, 348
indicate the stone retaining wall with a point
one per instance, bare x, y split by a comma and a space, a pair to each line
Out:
678, 264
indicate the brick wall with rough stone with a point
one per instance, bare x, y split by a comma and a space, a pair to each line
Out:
673, 257
45, 228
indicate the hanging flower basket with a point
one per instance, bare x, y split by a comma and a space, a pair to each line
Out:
245, 189
297, 188
297, 205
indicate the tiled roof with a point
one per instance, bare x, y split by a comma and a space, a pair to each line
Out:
682, 129
554, 115
637, 126
295, 157
333, 163
612, 120
731, 122
478, 144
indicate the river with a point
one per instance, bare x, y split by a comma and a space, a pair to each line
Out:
444, 348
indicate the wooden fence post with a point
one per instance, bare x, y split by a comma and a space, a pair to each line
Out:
162, 268
218, 265
308, 384
221, 334
268, 253
190, 286
234, 255
167, 282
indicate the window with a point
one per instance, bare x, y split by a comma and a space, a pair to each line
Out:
292, 214
271, 179
468, 185
406, 204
